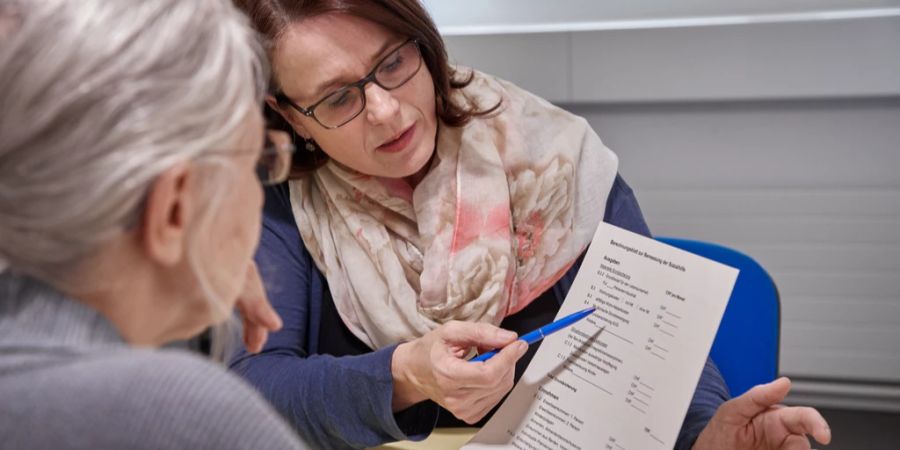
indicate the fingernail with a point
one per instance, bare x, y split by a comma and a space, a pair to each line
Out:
506, 334
523, 346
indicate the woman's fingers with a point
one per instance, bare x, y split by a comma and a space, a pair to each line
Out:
469, 389
253, 302
505, 360
472, 404
805, 421
486, 373
795, 442
255, 336
481, 335
757, 400
257, 313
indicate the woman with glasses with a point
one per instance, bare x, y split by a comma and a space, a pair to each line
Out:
131, 155
429, 209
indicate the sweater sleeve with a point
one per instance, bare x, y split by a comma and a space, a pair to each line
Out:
332, 402
622, 210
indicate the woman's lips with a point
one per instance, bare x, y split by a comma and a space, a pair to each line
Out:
400, 142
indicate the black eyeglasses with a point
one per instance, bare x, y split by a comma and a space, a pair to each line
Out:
343, 105
274, 163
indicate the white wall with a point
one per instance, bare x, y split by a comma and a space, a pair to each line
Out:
778, 137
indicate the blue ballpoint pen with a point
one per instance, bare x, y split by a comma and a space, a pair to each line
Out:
543, 331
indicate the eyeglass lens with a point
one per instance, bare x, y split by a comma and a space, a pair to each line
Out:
395, 70
274, 163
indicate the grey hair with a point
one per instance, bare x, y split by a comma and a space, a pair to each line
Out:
99, 97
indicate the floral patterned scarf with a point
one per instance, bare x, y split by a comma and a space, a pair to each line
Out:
510, 201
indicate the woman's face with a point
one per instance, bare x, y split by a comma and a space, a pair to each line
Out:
394, 136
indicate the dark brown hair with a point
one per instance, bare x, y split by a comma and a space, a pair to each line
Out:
405, 17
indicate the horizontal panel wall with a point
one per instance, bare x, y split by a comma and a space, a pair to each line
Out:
763, 145
848, 58
838, 58
463, 17
809, 189
539, 61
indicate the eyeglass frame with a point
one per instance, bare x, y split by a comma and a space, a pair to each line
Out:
272, 148
361, 85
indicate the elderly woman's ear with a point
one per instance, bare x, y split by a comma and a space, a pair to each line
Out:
167, 215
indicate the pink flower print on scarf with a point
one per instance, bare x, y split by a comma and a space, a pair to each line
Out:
472, 225
528, 234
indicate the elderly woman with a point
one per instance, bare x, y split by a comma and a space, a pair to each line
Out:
429, 205
129, 212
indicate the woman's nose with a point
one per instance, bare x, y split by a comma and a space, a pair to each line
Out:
381, 105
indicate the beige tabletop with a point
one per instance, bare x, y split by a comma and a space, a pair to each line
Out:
440, 439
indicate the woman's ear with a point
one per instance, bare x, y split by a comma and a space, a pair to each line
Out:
167, 215
289, 116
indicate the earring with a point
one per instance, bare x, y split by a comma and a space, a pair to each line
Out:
310, 146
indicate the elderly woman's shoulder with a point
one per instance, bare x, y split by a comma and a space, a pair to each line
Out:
143, 398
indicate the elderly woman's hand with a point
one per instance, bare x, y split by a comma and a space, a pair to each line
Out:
257, 314
432, 367
756, 420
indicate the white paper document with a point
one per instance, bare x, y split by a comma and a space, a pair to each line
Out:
621, 379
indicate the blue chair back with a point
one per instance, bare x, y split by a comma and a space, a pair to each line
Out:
747, 343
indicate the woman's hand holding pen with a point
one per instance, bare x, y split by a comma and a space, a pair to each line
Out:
433, 367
